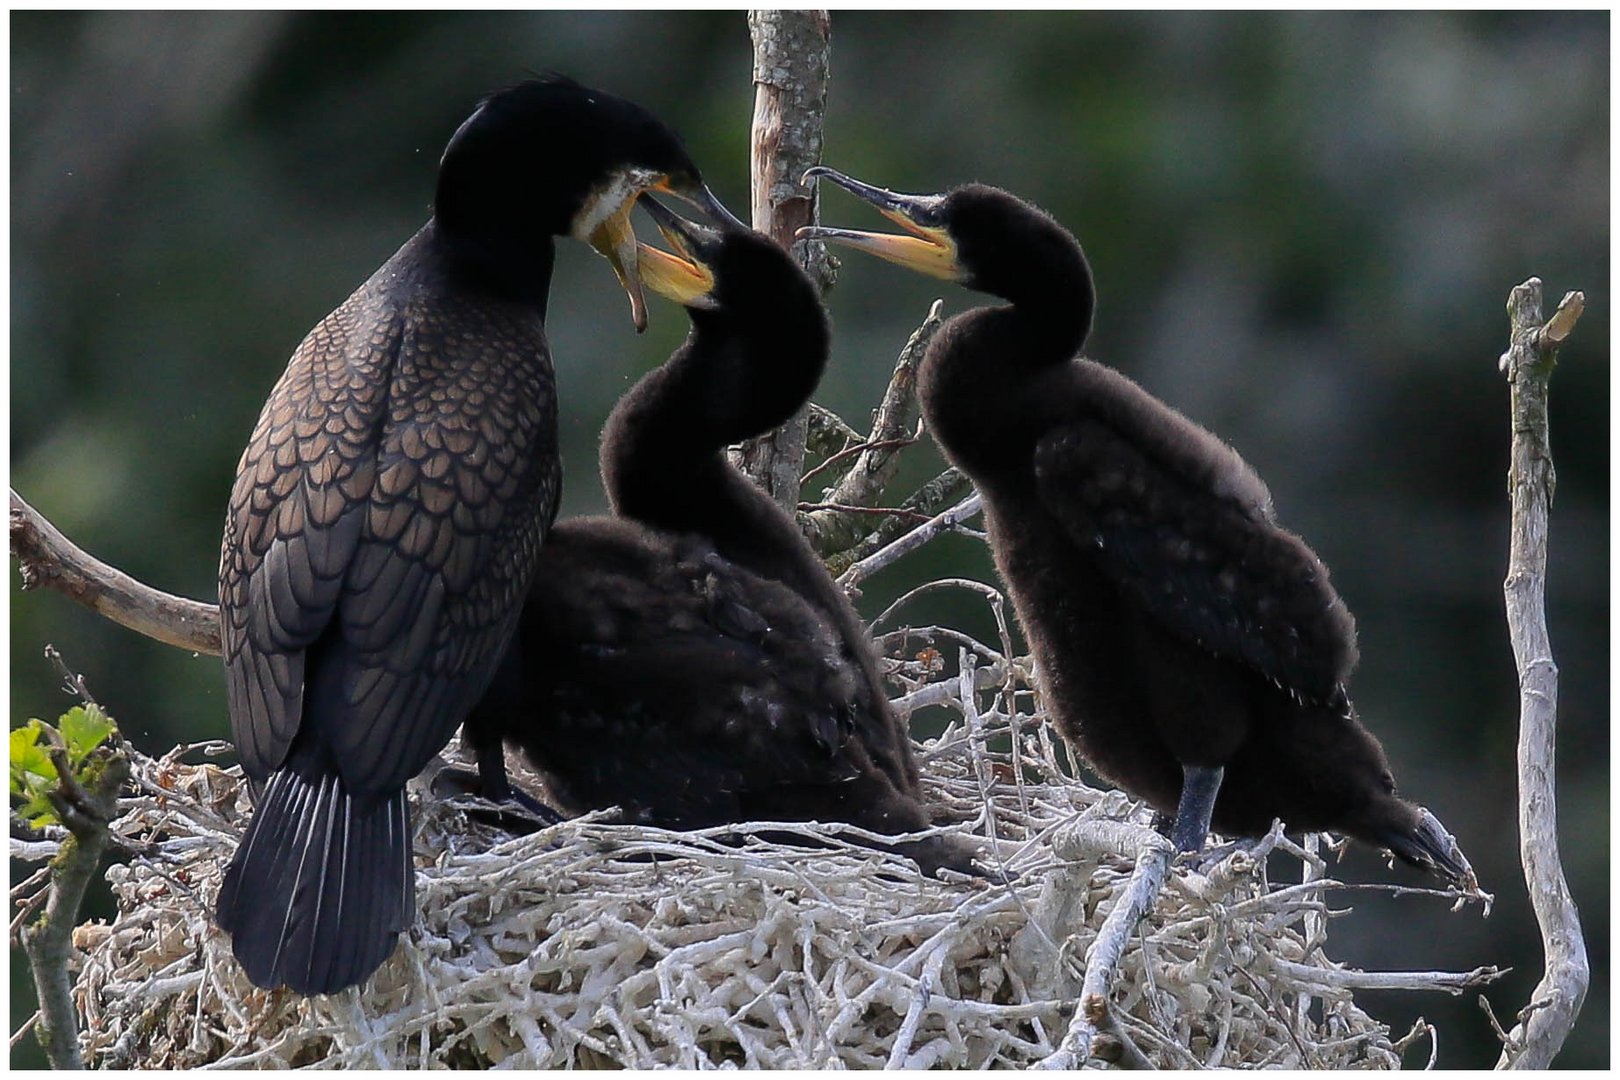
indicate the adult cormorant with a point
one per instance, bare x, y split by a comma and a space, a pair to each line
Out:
689, 659
1191, 647
386, 515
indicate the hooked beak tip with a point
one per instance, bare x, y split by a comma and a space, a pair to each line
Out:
1430, 846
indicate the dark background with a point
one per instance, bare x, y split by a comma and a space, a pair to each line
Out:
1304, 229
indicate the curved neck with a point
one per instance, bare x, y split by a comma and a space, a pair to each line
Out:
987, 371
499, 265
1050, 291
663, 446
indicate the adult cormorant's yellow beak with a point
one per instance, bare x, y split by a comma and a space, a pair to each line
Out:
604, 223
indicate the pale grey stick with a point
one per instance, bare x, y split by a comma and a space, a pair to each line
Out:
1536, 1039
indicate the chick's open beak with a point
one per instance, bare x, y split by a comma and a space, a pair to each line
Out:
926, 247
604, 223
686, 283
683, 276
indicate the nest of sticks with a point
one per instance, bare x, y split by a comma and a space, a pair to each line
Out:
592, 943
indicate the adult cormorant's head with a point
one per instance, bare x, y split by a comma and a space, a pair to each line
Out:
550, 157
977, 236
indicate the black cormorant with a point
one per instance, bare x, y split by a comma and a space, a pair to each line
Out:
1191, 647
689, 659
387, 512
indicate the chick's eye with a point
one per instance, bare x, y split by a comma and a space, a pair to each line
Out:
1387, 782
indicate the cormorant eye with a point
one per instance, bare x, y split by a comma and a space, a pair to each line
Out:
1387, 782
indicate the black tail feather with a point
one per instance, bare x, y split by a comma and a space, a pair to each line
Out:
321, 885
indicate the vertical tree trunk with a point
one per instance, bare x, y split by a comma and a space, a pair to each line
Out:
791, 50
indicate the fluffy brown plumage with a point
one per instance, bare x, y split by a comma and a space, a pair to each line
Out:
1192, 648
690, 660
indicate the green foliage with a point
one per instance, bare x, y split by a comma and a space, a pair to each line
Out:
33, 774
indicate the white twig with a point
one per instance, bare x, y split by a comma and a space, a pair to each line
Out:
923, 994
1152, 853
1528, 363
1452, 982
941, 523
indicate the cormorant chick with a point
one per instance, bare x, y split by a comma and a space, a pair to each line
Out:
1191, 648
690, 660
386, 515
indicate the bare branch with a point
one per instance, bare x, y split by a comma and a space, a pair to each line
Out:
851, 579
1452, 982
865, 511
826, 434
931, 498
833, 530
1152, 852
845, 458
791, 52
47, 558
1536, 1039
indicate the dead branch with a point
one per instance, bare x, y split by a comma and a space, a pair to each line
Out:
47, 558
929, 499
1452, 982
851, 578
845, 459
791, 54
852, 511
1528, 363
1085, 841
826, 434
833, 530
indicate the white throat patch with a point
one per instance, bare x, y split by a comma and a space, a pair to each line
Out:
605, 201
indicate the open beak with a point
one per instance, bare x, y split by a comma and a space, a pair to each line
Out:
608, 230
926, 245
1430, 847
615, 240
682, 276
697, 194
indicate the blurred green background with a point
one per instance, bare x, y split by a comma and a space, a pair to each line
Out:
1304, 229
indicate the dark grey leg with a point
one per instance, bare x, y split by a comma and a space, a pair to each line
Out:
1199, 786
492, 782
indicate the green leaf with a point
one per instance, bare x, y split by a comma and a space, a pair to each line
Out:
84, 727
32, 772
28, 756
